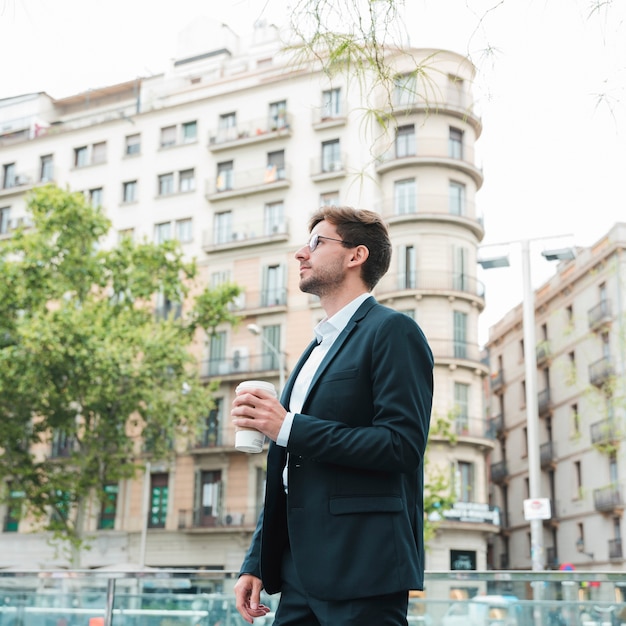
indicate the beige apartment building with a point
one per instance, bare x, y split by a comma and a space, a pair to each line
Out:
229, 151
580, 322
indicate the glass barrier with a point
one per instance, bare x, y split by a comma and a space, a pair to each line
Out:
205, 598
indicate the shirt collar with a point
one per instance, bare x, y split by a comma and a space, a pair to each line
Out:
332, 326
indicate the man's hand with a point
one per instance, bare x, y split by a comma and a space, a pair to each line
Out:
258, 409
248, 596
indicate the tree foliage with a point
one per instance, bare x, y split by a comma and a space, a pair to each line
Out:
90, 377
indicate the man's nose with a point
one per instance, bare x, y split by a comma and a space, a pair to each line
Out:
303, 252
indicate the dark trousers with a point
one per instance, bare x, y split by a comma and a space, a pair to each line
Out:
297, 608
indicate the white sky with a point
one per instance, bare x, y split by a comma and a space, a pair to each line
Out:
553, 151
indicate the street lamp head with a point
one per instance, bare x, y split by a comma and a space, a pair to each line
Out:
559, 254
254, 329
499, 261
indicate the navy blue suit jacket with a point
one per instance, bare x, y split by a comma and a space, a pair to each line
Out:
354, 513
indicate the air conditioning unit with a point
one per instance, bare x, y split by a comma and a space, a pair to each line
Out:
240, 360
233, 519
239, 302
22, 179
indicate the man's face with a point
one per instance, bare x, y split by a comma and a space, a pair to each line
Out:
323, 270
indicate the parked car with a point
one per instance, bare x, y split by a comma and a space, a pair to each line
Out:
483, 611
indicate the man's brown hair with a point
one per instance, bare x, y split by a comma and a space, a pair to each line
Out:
360, 227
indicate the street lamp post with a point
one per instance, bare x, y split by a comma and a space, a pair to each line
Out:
530, 367
255, 330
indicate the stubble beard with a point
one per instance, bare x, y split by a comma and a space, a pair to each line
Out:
323, 282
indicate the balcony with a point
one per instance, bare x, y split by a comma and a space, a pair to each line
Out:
239, 367
600, 315
497, 381
606, 432
323, 117
431, 282
431, 151
243, 234
327, 169
609, 499
553, 520
496, 425
252, 131
235, 183
601, 371
457, 354
203, 518
543, 353
472, 427
544, 402
439, 208
547, 455
615, 549
499, 473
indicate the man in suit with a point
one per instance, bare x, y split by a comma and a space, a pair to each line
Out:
341, 532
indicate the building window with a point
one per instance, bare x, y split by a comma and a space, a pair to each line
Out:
464, 481
524, 446
168, 137
278, 115
8, 176
405, 196
5, 220
129, 191
575, 417
271, 336
210, 434
455, 143
166, 184
46, 172
108, 508
274, 218
184, 230
13, 510
331, 104
460, 334
189, 132
331, 156
455, 90
95, 197
225, 176
461, 407
162, 232
99, 153
187, 181
405, 89
407, 275
569, 316
227, 126
460, 276
578, 480
223, 227
220, 277
81, 156
275, 168
210, 498
217, 354
165, 308
456, 198
158, 500
126, 233
274, 292
133, 145
405, 141
330, 198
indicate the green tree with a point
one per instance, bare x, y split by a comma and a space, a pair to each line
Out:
90, 377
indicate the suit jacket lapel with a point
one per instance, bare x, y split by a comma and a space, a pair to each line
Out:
361, 312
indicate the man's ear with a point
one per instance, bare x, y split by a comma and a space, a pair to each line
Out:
359, 256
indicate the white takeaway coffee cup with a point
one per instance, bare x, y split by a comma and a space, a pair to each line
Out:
248, 439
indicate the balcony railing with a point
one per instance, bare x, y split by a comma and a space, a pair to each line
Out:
235, 183
499, 472
239, 365
496, 425
430, 281
205, 517
609, 499
601, 371
250, 131
547, 454
605, 431
542, 352
600, 314
448, 349
615, 549
544, 402
497, 380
